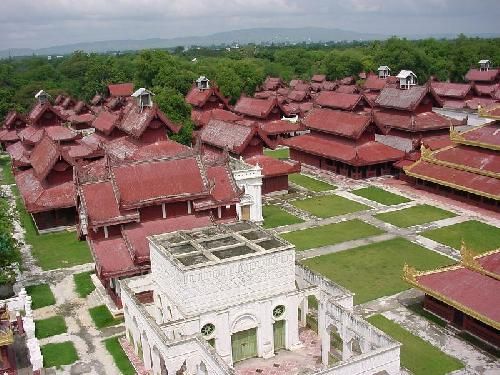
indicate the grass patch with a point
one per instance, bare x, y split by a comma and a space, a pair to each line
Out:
374, 270
52, 326
276, 217
53, 250
121, 360
380, 195
59, 354
417, 355
7, 178
416, 215
310, 183
281, 153
418, 309
102, 317
329, 205
478, 236
83, 283
330, 234
41, 296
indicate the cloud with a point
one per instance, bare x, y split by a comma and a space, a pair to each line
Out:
40, 23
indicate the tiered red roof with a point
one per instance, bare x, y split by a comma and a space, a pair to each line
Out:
277, 127
272, 84
345, 124
407, 121
339, 100
374, 83
477, 75
406, 100
201, 118
199, 97
121, 89
257, 108
451, 90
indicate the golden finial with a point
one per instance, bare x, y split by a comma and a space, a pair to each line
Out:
425, 153
468, 257
409, 274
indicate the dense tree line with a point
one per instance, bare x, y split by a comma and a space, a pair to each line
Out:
238, 71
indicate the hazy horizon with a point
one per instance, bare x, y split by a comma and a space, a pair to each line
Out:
47, 23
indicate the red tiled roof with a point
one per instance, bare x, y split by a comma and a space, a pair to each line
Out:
264, 94
185, 176
160, 149
454, 103
476, 158
201, 118
467, 290
407, 100
31, 135
328, 85
260, 108
60, 133
198, 98
346, 124
456, 178
294, 82
297, 108
84, 118
475, 102
11, 119
81, 151
338, 100
451, 90
93, 171
302, 86
271, 83
280, 127
19, 153
7, 135
436, 142
318, 78
44, 156
39, 109
135, 121
39, 198
408, 122
486, 90
136, 234
347, 89
484, 136
272, 167
347, 152
482, 75
297, 96
121, 89
112, 257
347, 81
374, 83
225, 190
122, 148
105, 122
235, 137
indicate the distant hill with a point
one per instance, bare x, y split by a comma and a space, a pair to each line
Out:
257, 35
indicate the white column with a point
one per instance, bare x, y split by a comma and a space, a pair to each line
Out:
304, 310
323, 333
223, 339
292, 324
189, 207
164, 210
265, 344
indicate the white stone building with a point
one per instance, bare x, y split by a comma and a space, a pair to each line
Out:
249, 178
224, 294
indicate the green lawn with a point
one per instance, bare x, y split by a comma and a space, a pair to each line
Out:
329, 205
7, 177
330, 234
282, 153
53, 250
415, 215
380, 195
374, 270
52, 326
83, 283
59, 354
121, 360
41, 295
310, 183
479, 237
276, 217
417, 355
102, 317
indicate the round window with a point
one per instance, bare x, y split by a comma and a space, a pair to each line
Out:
278, 311
207, 329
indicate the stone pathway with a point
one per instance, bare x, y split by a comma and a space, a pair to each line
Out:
133, 358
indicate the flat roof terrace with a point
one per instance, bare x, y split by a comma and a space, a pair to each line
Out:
217, 244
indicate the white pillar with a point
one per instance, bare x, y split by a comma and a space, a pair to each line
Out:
304, 310
265, 344
323, 333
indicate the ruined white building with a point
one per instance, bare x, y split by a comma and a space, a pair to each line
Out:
223, 294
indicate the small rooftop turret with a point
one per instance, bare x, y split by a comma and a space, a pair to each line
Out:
407, 79
484, 65
203, 83
42, 96
384, 71
144, 97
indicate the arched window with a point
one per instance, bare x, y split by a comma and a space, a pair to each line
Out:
207, 330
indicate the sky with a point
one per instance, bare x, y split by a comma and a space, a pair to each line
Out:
44, 23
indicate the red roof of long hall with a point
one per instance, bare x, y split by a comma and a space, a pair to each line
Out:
38, 198
413, 122
346, 124
272, 167
160, 149
19, 153
280, 127
44, 156
198, 98
407, 100
7, 135
112, 257
318, 78
475, 158
486, 136
225, 189
186, 180
135, 234
272, 83
338, 100
11, 119
482, 75
39, 109
455, 178
121, 89
259, 108
374, 83
364, 154
347, 89
135, 121
451, 90
467, 290
201, 118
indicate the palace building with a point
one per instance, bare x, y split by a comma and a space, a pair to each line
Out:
220, 295
464, 295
